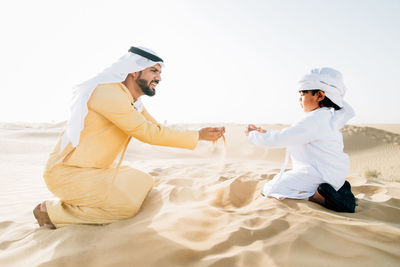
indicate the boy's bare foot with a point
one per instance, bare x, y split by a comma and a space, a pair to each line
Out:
317, 198
40, 213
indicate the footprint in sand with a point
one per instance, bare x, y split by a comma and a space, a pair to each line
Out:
239, 193
375, 193
180, 182
156, 172
369, 189
268, 175
182, 195
223, 178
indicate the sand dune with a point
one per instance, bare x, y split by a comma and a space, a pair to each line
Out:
206, 208
373, 150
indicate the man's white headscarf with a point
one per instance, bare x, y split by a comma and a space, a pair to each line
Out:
137, 59
331, 82
328, 80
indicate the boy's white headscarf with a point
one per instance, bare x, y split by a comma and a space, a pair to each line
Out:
117, 72
328, 80
331, 82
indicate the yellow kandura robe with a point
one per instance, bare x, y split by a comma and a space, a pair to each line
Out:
90, 189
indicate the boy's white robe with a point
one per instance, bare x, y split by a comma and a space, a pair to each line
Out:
315, 145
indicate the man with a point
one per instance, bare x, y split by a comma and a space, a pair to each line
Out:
106, 112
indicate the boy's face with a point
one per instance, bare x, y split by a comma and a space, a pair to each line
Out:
310, 102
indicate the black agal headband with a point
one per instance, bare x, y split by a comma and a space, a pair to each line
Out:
145, 54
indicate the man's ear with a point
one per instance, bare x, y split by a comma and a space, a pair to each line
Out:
134, 75
321, 95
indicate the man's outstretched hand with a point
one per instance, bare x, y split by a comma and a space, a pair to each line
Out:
211, 133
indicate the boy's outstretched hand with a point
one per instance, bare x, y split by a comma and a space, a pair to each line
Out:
252, 127
211, 133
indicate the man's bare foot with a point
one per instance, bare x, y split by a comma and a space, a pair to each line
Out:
317, 198
40, 213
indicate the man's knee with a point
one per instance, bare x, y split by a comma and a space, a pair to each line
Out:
136, 195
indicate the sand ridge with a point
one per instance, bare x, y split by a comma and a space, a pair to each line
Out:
206, 208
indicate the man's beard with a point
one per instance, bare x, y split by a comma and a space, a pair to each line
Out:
144, 86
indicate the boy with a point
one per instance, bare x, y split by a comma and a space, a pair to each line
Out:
315, 145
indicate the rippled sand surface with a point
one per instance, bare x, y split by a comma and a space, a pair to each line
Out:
206, 208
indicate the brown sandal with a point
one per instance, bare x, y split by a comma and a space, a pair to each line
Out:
42, 217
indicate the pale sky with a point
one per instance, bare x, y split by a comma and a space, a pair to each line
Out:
225, 61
